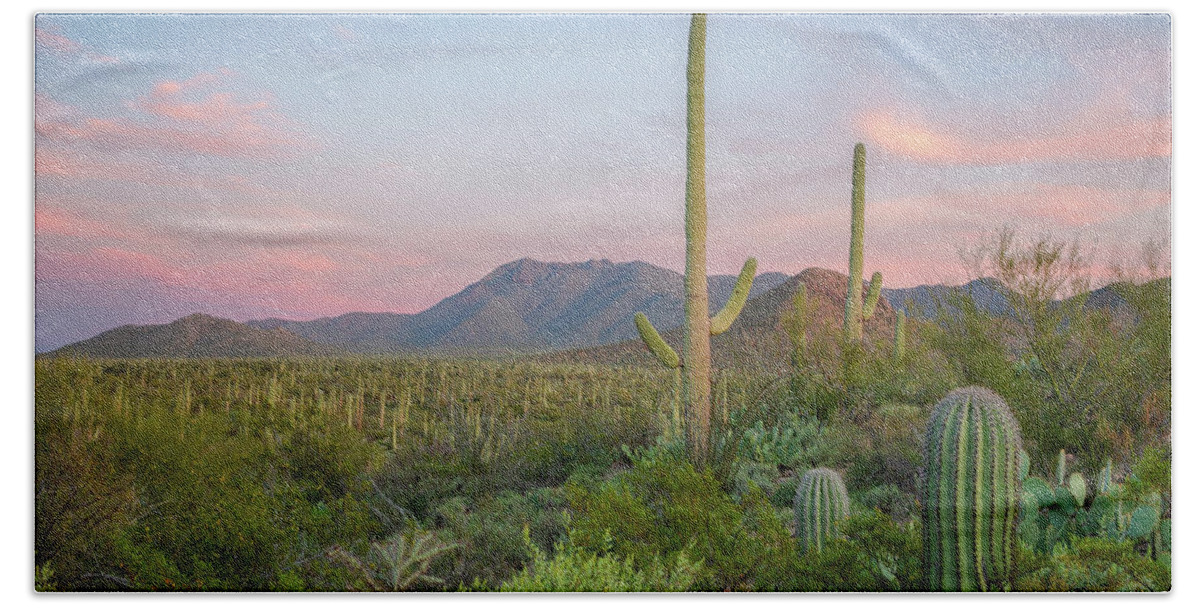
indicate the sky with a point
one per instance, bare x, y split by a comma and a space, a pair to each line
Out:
299, 166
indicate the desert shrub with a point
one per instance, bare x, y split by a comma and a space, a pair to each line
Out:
841, 445
491, 534
329, 463
223, 515
1082, 371
572, 568
80, 502
893, 454
873, 554
1091, 564
398, 563
890, 500
662, 507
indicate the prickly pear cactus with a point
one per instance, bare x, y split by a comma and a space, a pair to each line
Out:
821, 501
970, 492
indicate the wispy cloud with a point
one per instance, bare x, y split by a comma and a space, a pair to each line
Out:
183, 117
921, 141
63, 45
60, 222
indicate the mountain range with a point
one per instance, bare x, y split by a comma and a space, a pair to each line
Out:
584, 311
196, 335
526, 305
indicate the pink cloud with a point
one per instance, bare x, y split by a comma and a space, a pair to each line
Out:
56, 42
1055, 205
59, 222
66, 46
305, 284
105, 265
1094, 138
185, 117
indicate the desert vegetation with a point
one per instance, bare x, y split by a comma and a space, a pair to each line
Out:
970, 450
385, 473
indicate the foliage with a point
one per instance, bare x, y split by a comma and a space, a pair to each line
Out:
575, 569
242, 479
663, 506
491, 533
872, 554
395, 564
1092, 564
43, 578
1078, 373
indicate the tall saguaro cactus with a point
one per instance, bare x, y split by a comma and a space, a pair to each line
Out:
698, 328
970, 494
855, 311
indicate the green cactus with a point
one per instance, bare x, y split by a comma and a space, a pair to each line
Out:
873, 290
1055, 515
821, 501
698, 328
723, 320
795, 323
898, 337
856, 312
654, 341
1104, 482
970, 492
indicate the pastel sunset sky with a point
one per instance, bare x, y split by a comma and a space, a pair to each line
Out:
300, 166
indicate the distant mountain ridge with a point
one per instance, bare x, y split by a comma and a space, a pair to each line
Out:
922, 301
196, 335
527, 305
582, 309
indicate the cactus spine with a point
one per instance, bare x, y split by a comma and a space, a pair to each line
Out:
855, 310
970, 493
821, 501
698, 328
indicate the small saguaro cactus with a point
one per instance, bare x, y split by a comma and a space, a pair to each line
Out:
821, 501
795, 323
855, 310
698, 328
969, 498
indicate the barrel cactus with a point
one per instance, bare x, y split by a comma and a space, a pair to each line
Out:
970, 492
821, 501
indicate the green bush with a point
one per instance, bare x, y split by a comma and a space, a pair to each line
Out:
662, 507
490, 534
574, 569
1092, 564
872, 554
